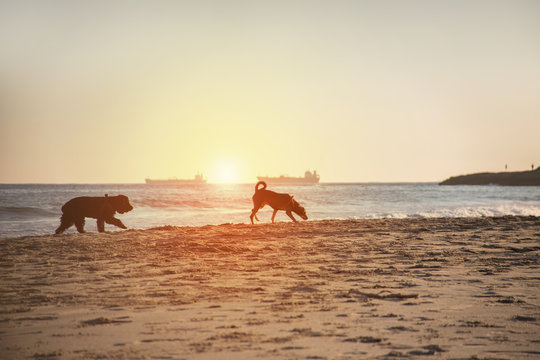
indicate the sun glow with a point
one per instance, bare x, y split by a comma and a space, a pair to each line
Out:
224, 172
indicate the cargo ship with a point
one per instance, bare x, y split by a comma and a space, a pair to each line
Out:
197, 179
309, 178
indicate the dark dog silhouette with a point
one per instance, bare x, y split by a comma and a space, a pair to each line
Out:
277, 201
101, 208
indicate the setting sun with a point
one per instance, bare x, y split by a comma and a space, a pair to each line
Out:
224, 172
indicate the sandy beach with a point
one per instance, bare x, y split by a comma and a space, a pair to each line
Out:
456, 288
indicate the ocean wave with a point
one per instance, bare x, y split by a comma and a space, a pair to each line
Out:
35, 209
174, 204
465, 211
10, 213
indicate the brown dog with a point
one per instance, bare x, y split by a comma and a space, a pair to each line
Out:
101, 208
277, 201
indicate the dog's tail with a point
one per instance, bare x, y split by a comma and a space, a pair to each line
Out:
260, 183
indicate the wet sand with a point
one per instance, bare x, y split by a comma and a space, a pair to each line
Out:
416, 288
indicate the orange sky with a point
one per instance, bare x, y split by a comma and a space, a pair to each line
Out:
360, 90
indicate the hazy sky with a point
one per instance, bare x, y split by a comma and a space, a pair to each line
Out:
117, 91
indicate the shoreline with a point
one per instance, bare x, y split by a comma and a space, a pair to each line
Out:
112, 230
374, 288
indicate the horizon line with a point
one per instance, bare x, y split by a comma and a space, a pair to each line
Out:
221, 183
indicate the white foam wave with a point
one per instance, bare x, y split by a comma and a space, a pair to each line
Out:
466, 211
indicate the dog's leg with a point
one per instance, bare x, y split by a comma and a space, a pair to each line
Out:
256, 206
101, 225
79, 224
114, 221
288, 212
65, 223
253, 215
274, 215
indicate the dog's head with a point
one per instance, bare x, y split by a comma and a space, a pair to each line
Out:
120, 203
298, 209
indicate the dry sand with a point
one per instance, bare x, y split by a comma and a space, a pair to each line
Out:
446, 288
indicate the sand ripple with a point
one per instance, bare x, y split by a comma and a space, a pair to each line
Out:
453, 288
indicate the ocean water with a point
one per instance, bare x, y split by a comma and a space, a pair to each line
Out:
35, 209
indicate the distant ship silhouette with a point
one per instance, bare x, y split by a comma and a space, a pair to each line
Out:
197, 179
309, 178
